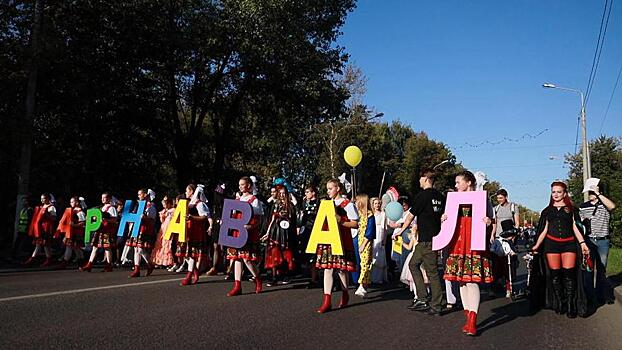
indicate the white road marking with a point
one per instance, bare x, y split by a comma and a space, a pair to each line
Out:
84, 290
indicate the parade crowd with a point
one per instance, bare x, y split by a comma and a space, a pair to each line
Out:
571, 244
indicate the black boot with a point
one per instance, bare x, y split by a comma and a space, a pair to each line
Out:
558, 291
570, 287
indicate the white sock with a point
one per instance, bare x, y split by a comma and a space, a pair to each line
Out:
137, 256
328, 281
37, 250
237, 270
474, 296
190, 264
68, 252
251, 267
93, 255
464, 295
108, 256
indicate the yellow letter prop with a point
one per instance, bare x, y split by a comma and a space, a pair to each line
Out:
325, 214
178, 221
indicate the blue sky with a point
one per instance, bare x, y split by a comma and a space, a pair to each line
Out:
471, 71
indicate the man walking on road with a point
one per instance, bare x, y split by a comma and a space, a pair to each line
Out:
428, 208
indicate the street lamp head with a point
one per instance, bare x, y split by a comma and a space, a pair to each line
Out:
549, 86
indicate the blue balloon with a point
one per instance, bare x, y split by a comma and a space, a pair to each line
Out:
394, 211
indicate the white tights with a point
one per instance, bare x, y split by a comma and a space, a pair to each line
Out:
469, 293
107, 255
39, 247
140, 252
328, 280
238, 269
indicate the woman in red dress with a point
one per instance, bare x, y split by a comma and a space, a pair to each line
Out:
466, 266
41, 229
72, 226
249, 254
106, 236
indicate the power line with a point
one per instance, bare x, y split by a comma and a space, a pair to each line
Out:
602, 123
604, 23
525, 136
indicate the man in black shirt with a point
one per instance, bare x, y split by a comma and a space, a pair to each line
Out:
428, 208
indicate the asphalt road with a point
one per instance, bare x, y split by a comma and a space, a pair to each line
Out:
71, 309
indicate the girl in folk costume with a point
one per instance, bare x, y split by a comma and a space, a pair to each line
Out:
162, 254
42, 229
178, 248
249, 254
347, 220
366, 235
72, 226
142, 244
466, 266
106, 236
281, 235
199, 218
379, 256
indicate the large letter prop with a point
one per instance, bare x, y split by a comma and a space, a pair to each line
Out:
325, 215
64, 225
178, 221
478, 229
134, 218
228, 224
92, 226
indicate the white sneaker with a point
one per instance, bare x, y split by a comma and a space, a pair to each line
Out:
172, 268
361, 292
508, 294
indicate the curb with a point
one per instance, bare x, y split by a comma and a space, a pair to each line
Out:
617, 292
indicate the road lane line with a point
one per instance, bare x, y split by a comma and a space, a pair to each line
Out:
83, 290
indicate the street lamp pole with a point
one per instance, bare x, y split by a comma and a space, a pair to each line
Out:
585, 147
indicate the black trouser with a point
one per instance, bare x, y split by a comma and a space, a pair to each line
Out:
424, 255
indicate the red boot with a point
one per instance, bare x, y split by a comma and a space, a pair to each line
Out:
465, 328
472, 324
195, 276
258, 285
188, 280
237, 289
88, 267
326, 304
29, 262
150, 270
108, 268
48, 262
345, 297
136, 272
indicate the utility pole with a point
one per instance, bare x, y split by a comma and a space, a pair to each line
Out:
585, 147
23, 176
587, 168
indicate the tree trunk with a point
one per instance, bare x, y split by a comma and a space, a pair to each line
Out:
23, 177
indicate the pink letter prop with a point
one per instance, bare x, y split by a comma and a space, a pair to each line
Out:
478, 230
234, 225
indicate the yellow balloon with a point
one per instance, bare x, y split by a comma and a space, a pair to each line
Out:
353, 156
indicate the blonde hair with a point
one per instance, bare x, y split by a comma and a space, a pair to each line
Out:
363, 204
